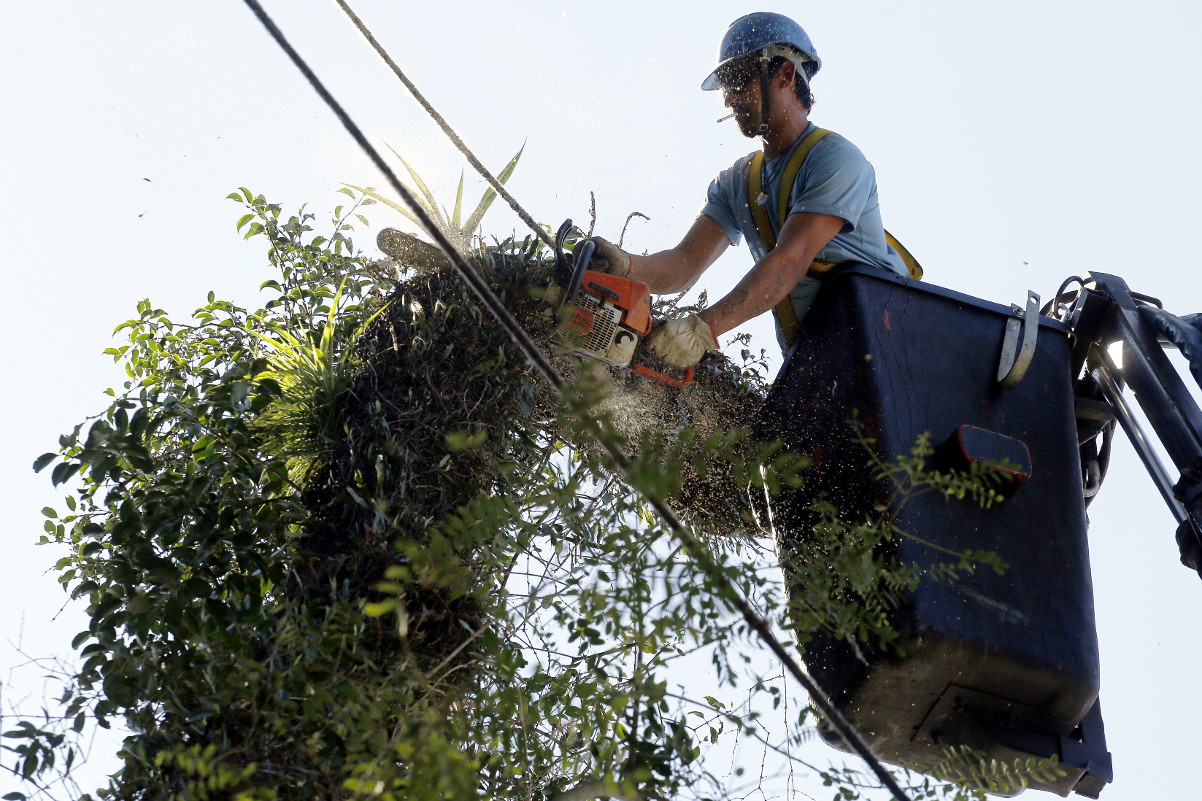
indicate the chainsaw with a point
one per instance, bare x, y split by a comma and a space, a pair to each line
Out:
611, 316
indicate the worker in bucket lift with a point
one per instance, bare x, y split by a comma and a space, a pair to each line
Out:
831, 214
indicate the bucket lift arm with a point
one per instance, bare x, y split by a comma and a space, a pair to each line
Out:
1116, 347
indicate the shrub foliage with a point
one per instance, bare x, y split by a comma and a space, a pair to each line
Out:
347, 545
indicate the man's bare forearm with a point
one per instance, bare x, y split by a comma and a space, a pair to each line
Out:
677, 269
664, 273
775, 275
760, 290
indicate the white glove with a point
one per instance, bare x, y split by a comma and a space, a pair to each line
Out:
683, 341
609, 258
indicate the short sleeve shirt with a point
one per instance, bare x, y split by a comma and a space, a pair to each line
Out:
836, 179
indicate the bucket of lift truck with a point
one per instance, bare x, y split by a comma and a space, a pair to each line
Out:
1004, 663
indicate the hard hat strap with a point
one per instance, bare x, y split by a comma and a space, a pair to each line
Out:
765, 63
799, 59
766, 56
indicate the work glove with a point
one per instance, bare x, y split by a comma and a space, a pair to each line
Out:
609, 258
683, 341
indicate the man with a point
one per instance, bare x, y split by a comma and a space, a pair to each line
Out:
765, 63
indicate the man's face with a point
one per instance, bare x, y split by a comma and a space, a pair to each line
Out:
740, 85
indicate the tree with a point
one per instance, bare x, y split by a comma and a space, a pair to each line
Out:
347, 545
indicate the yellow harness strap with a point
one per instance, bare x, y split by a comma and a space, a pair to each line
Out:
912, 265
755, 187
757, 201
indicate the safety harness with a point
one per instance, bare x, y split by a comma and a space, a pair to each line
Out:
786, 315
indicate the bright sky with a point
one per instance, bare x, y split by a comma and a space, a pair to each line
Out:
1015, 144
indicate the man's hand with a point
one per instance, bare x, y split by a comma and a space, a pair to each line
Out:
609, 258
683, 341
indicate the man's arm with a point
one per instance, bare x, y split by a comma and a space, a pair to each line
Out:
801, 237
677, 269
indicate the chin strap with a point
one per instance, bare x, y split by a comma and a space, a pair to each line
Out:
765, 61
766, 56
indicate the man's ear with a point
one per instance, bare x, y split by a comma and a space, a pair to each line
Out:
788, 73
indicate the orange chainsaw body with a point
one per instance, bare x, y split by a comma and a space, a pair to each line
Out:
610, 317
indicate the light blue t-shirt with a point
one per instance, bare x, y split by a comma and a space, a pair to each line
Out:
836, 179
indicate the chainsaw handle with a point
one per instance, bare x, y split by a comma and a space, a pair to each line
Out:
570, 275
575, 279
667, 379
563, 270
583, 254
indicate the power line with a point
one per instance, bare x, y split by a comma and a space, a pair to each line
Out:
695, 548
446, 127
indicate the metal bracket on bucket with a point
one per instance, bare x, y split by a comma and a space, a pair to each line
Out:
1022, 327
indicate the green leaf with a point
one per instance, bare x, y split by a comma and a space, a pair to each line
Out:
430, 203
462, 440
43, 460
404, 210
458, 202
30, 765
377, 609
491, 195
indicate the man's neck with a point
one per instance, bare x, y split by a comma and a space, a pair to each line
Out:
784, 134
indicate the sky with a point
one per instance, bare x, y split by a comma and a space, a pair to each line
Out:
1015, 144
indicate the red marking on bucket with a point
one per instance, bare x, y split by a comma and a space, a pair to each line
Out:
887, 325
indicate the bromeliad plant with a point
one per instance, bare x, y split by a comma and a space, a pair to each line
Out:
310, 374
452, 225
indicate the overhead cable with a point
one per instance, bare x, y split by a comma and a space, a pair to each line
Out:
497, 186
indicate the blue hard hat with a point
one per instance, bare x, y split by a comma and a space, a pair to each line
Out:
760, 31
